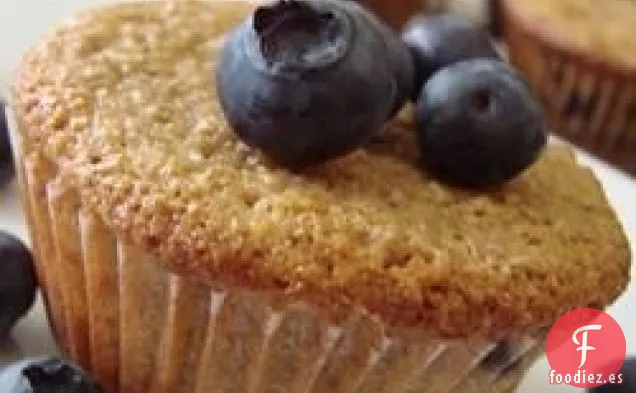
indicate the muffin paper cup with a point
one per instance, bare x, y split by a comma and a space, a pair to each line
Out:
589, 100
140, 328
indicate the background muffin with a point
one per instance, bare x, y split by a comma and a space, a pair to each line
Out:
579, 55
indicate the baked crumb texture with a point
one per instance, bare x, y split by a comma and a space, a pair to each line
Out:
121, 101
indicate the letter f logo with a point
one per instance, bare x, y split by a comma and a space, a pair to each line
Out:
583, 344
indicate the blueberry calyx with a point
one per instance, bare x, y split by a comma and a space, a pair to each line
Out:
293, 36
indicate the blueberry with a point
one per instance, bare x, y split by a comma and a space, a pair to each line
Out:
17, 282
437, 41
306, 81
499, 357
479, 124
6, 159
628, 380
46, 375
400, 60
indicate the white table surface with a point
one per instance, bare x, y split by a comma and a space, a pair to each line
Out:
23, 22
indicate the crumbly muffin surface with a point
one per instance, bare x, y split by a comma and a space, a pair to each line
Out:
122, 100
605, 28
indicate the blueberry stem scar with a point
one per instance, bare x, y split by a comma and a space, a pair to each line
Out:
296, 35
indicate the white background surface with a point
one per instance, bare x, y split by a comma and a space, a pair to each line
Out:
23, 22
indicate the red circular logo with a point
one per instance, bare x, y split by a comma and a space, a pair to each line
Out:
586, 348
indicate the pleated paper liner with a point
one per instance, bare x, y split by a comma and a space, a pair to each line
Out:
139, 328
590, 101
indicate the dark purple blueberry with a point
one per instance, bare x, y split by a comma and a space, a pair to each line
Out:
502, 355
479, 124
400, 60
17, 282
46, 375
6, 158
437, 41
306, 81
625, 382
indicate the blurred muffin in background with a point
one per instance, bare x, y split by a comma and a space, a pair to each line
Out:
396, 13
602, 29
580, 55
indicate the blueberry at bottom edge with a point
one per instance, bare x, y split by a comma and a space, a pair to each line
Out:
18, 283
48, 374
628, 379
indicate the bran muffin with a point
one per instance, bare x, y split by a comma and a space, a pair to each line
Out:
176, 259
580, 56
395, 14
604, 29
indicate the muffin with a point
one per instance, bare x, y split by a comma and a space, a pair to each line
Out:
395, 14
581, 56
173, 258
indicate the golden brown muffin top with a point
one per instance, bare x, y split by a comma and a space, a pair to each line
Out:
605, 28
122, 99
